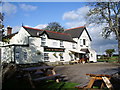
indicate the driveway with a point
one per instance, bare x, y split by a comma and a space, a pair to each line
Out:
76, 73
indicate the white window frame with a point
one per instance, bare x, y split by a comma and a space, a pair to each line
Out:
17, 55
25, 55
43, 40
46, 56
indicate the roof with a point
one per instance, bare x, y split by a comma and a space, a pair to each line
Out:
76, 32
85, 50
76, 51
11, 35
50, 34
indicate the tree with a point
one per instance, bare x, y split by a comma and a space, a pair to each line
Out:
107, 13
1, 24
109, 52
54, 26
1, 18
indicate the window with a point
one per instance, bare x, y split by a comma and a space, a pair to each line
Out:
25, 55
43, 43
80, 41
46, 57
81, 44
91, 55
61, 44
84, 42
43, 40
73, 45
61, 57
17, 55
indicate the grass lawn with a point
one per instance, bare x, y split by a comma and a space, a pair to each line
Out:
111, 59
52, 85
61, 86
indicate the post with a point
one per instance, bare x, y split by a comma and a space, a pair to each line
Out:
14, 52
53, 72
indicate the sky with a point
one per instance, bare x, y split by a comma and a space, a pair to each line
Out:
68, 14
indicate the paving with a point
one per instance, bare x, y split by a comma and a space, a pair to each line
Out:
76, 73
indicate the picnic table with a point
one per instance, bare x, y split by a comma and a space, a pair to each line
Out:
40, 73
97, 80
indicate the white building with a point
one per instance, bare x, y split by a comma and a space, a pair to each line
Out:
31, 45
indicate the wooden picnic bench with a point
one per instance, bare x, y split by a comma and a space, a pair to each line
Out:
98, 80
40, 73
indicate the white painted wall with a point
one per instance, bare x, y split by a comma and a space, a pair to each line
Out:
21, 37
86, 37
92, 55
7, 54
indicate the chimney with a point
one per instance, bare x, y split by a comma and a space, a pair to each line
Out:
9, 30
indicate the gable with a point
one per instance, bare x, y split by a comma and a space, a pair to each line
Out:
20, 37
85, 34
33, 32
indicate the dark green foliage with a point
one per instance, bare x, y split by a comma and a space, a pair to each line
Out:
54, 26
109, 52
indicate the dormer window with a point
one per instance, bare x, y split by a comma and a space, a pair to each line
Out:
38, 33
43, 40
61, 44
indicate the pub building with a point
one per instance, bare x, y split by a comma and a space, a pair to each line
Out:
31, 45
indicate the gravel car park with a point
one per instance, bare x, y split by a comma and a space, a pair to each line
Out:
77, 73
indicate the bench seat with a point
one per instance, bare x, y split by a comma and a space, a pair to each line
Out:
37, 68
47, 77
81, 86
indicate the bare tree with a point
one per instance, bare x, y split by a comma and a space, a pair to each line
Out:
106, 13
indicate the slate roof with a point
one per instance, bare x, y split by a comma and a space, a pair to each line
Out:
50, 34
76, 32
11, 35
33, 31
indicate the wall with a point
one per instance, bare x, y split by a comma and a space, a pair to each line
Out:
7, 54
21, 37
27, 55
92, 55
80, 40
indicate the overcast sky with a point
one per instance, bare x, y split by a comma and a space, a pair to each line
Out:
68, 14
